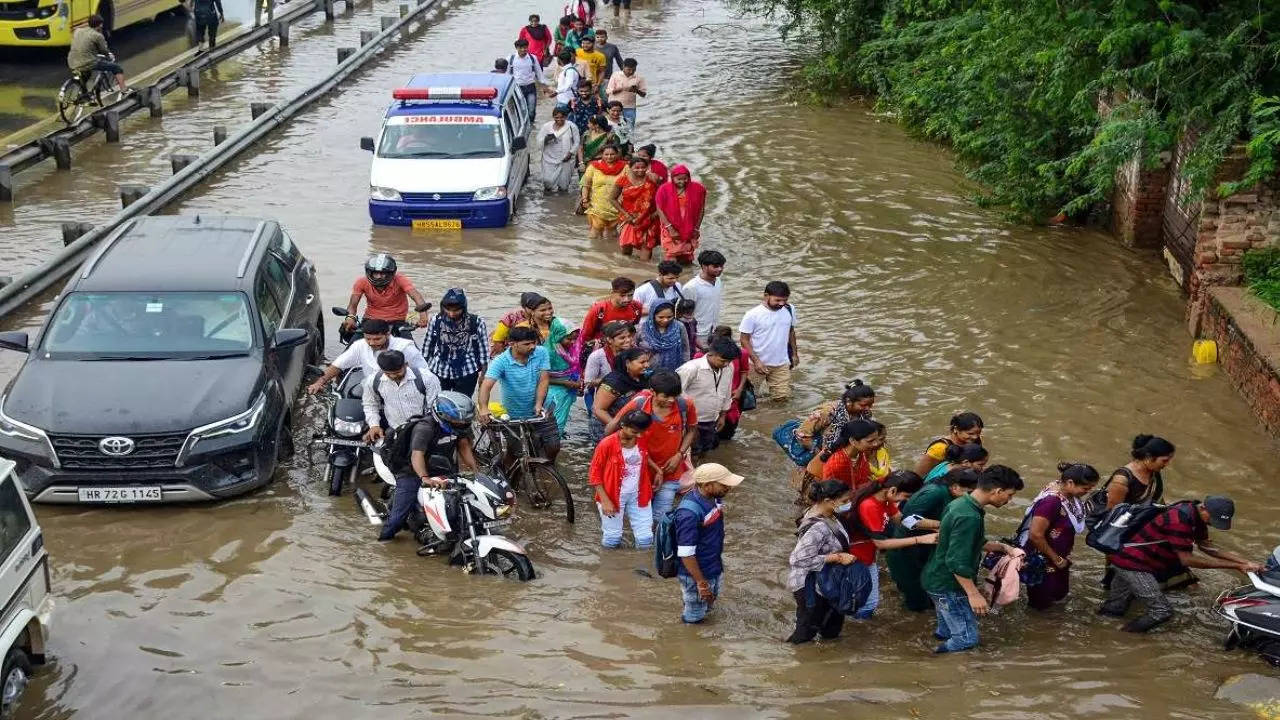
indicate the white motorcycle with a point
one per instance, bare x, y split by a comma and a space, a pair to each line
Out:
461, 521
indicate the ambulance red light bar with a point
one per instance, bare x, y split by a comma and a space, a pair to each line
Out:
445, 93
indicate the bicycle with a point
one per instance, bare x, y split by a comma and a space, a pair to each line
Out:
509, 448
85, 90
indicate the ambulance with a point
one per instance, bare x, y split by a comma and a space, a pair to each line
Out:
452, 153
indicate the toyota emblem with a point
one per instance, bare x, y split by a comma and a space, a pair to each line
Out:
435, 196
116, 446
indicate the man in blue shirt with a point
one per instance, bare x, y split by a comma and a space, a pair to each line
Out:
524, 371
699, 521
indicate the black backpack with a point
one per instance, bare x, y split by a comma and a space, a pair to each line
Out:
395, 445
1113, 530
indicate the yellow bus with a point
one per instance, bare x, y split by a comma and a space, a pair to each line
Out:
49, 23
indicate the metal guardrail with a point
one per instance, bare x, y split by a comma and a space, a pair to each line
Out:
57, 144
194, 170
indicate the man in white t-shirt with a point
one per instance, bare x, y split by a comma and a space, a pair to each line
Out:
665, 286
768, 335
705, 290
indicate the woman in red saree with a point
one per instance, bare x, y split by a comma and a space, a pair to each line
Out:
633, 194
681, 205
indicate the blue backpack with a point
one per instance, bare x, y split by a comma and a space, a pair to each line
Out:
785, 436
665, 560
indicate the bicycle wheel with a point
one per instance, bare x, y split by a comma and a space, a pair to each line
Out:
548, 490
105, 91
70, 101
489, 450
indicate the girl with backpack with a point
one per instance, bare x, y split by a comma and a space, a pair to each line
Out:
1054, 518
965, 428
970, 455
821, 540
872, 510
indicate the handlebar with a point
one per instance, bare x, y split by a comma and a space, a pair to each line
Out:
518, 421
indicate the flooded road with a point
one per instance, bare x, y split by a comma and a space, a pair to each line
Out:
280, 605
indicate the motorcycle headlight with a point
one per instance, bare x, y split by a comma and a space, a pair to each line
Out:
496, 192
502, 511
348, 427
383, 193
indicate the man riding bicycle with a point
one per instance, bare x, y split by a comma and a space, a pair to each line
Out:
89, 53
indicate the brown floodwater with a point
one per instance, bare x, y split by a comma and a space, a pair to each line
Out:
279, 604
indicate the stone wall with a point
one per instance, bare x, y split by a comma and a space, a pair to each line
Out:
1137, 203
1248, 335
1228, 227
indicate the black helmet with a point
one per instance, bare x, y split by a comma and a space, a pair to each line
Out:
454, 408
380, 269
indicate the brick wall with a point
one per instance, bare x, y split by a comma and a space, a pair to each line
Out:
1137, 203
1248, 335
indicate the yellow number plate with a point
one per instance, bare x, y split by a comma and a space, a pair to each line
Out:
437, 224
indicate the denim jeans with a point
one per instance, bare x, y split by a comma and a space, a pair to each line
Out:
957, 625
873, 598
694, 608
641, 519
664, 498
402, 504
630, 115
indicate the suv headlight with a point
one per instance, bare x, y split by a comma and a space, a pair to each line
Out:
243, 422
19, 430
383, 193
491, 193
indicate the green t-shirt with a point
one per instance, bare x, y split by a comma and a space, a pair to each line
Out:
959, 550
928, 503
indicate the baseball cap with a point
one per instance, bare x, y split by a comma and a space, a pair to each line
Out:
1220, 510
715, 472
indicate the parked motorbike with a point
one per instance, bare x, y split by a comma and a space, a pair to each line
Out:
461, 521
402, 329
1254, 612
348, 454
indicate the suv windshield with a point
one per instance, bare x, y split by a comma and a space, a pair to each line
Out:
441, 140
150, 325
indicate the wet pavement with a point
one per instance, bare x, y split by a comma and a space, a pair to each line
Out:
279, 604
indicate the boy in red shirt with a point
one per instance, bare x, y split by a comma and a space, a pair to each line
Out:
386, 294
622, 475
618, 306
669, 437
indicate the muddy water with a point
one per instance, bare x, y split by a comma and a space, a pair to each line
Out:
279, 605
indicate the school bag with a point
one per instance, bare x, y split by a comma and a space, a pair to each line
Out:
1095, 505
665, 560
1112, 532
395, 445
785, 436
637, 403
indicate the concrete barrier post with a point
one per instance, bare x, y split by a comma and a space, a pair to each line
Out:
178, 161
72, 231
404, 9
328, 10
344, 53
130, 194
281, 30
256, 109
366, 37
6, 280
191, 78
60, 149
111, 125
153, 100
219, 134
6, 183
387, 22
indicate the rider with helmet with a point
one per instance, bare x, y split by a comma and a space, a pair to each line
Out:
386, 294
439, 443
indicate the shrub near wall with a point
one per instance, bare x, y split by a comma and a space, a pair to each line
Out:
1013, 85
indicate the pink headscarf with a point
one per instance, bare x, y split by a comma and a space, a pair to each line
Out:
668, 201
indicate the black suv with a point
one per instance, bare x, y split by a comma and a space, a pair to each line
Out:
167, 371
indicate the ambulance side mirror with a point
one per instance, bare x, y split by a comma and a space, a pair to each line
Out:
366, 143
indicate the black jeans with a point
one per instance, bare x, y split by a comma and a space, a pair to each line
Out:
707, 439
402, 504
207, 24
465, 384
821, 619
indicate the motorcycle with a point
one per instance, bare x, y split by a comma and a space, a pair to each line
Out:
402, 329
460, 521
1254, 612
348, 454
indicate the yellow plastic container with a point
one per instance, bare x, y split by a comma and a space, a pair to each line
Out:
1204, 352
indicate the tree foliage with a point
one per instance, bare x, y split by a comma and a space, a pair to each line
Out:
1014, 85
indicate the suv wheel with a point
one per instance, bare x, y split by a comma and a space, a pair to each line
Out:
14, 676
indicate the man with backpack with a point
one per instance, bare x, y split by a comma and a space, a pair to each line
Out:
394, 394
443, 433
699, 533
1162, 543
666, 286
456, 347
669, 436
619, 306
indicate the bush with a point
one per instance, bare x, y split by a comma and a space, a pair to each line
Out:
1262, 275
1013, 85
